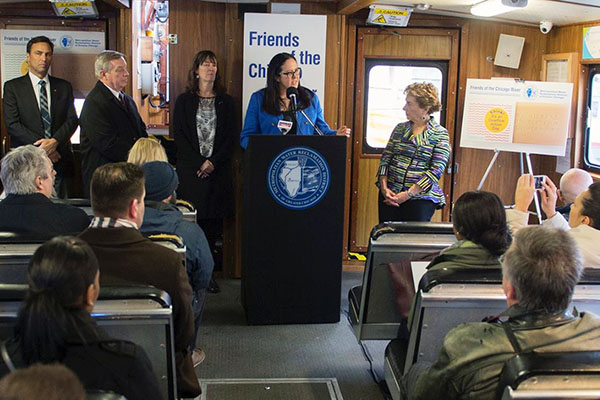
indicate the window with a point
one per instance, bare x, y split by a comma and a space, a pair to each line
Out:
592, 129
385, 84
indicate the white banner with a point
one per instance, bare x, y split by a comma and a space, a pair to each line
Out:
524, 117
303, 36
14, 47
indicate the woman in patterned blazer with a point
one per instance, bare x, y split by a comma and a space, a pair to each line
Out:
414, 160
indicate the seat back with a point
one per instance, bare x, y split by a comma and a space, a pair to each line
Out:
169, 240
188, 210
447, 298
98, 395
574, 375
373, 310
84, 204
15, 252
140, 314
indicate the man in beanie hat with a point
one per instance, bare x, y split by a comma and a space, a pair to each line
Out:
162, 215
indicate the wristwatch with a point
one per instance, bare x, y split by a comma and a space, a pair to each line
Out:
410, 195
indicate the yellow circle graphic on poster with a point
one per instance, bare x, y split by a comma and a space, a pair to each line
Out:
496, 120
24, 68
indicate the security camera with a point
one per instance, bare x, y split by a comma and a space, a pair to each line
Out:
545, 27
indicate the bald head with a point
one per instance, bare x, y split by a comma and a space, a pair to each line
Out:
572, 183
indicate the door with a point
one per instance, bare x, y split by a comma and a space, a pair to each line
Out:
387, 61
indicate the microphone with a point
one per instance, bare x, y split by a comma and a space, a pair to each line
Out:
292, 94
285, 125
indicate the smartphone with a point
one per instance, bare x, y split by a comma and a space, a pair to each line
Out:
539, 179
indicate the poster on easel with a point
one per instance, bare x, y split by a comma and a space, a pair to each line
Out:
518, 116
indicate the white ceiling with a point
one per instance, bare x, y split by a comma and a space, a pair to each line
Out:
559, 12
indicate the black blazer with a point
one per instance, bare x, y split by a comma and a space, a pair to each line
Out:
186, 137
212, 196
24, 122
108, 131
35, 213
100, 362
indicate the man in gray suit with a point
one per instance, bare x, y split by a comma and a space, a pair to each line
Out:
39, 110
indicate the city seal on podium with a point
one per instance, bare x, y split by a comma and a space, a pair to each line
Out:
298, 178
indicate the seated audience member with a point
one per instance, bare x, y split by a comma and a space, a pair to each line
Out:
28, 178
48, 382
479, 224
540, 271
571, 184
117, 196
163, 216
54, 325
584, 217
145, 150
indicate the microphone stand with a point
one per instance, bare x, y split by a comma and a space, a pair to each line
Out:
316, 128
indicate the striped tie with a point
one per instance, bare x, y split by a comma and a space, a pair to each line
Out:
44, 112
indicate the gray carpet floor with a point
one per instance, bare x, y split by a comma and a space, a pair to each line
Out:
236, 350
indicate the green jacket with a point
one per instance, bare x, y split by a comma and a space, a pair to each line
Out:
473, 354
464, 254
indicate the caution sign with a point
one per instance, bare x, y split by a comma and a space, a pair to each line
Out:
389, 15
74, 8
380, 20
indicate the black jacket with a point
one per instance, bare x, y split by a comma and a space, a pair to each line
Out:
101, 363
35, 213
108, 131
24, 123
211, 196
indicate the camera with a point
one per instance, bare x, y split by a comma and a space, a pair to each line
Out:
539, 179
545, 27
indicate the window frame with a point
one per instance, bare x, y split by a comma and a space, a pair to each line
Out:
370, 63
593, 71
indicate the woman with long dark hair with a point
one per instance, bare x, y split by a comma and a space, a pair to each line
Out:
271, 105
479, 224
204, 123
54, 325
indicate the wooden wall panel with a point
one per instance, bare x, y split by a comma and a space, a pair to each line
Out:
564, 40
482, 42
430, 47
214, 26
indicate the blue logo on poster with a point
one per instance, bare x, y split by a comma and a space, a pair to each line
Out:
298, 178
66, 41
531, 92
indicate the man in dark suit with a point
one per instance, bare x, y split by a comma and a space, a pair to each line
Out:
27, 207
126, 256
38, 110
110, 122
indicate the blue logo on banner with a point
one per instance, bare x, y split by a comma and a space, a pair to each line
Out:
298, 178
66, 41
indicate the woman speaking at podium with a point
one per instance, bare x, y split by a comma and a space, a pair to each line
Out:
272, 110
414, 160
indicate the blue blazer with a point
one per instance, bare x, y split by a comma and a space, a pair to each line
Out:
260, 122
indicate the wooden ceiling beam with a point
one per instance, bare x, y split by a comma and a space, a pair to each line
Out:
347, 7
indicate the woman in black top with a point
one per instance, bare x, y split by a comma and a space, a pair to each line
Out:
204, 129
54, 325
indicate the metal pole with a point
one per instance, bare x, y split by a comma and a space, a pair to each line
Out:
489, 168
536, 200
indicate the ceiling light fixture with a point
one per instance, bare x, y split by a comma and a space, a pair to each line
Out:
489, 8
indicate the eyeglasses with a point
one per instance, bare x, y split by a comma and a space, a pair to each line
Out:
291, 74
